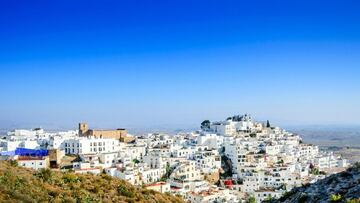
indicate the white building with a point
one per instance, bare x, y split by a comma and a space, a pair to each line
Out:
84, 145
329, 161
109, 159
212, 141
264, 194
212, 195
85, 167
159, 187
35, 163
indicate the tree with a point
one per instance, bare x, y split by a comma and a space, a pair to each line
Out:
252, 134
269, 199
268, 124
315, 171
136, 161
205, 125
168, 172
45, 174
251, 200
13, 163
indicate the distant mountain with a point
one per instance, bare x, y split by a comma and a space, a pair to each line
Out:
341, 187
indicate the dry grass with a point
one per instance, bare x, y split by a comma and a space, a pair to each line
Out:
19, 184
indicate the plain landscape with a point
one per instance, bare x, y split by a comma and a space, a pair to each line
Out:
342, 140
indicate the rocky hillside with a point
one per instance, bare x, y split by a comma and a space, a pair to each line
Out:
341, 187
19, 184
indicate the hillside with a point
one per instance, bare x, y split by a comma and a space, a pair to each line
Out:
341, 187
19, 184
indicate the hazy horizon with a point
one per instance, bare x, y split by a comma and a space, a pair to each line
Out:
172, 126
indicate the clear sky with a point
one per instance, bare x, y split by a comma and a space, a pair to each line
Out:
175, 63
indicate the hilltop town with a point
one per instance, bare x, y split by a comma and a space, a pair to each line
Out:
235, 160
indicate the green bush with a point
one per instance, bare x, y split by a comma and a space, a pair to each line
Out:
44, 174
251, 200
124, 191
286, 195
70, 178
303, 198
13, 163
335, 198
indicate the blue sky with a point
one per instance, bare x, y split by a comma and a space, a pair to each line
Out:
176, 63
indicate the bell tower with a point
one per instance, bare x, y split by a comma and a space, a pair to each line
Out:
83, 129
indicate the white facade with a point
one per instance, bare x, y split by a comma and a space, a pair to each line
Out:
262, 195
109, 159
212, 141
159, 187
11, 145
90, 145
35, 163
329, 161
149, 175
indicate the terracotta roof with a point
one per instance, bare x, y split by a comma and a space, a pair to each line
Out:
30, 158
86, 169
155, 184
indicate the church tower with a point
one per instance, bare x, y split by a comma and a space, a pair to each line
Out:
83, 129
